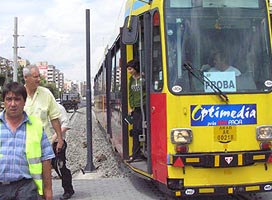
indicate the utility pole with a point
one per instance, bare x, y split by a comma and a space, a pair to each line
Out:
15, 51
89, 167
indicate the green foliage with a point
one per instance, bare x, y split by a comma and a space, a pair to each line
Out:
52, 87
43, 81
20, 75
2, 79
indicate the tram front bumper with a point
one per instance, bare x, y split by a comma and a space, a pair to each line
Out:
219, 160
174, 186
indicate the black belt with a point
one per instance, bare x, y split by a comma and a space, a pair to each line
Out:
11, 182
5, 183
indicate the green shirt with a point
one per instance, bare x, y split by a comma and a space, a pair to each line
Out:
135, 92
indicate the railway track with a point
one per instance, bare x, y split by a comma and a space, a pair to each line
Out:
252, 196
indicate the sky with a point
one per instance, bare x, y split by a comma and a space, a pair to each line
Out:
55, 31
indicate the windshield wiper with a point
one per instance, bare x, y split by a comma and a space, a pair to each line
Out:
205, 80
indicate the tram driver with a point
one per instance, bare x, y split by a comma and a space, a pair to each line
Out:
220, 65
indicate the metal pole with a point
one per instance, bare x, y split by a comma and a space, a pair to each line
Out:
89, 167
15, 49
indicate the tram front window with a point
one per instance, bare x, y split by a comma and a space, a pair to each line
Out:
213, 42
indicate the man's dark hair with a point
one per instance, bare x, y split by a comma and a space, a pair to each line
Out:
134, 64
16, 88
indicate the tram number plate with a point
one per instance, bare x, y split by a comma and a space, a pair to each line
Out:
224, 134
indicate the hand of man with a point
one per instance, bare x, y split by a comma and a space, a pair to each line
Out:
57, 127
59, 145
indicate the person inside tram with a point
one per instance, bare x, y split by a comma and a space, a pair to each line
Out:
220, 65
133, 68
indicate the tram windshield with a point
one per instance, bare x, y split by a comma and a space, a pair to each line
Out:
218, 45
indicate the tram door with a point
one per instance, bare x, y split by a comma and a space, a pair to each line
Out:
149, 52
140, 54
138, 47
146, 47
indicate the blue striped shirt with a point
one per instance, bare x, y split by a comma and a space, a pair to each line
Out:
13, 163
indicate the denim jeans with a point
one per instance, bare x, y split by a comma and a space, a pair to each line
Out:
24, 189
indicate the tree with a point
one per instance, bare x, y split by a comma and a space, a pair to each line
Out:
20, 74
52, 87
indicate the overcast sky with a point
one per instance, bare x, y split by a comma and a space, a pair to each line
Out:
54, 31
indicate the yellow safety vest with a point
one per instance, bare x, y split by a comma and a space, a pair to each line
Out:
33, 151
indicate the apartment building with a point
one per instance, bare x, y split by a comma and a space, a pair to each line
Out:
51, 74
59, 78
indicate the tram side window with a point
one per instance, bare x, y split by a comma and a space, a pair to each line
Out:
115, 75
100, 81
136, 47
117, 85
118, 71
157, 76
115, 72
104, 78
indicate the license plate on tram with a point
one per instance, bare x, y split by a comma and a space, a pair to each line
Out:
224, 134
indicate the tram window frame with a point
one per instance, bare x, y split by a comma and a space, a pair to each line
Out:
157, 69
251, 19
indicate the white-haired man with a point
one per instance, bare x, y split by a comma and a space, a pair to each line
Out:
41, 103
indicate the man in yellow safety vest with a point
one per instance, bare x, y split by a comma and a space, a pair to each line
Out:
25, 151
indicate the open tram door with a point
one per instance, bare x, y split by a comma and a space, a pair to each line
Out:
136, 35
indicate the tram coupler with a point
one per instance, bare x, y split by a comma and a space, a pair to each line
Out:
142, 138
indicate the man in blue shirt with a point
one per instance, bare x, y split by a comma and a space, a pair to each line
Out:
25, 151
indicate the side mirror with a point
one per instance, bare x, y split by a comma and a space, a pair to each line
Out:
130, 30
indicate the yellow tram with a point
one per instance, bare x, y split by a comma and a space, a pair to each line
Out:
208, 79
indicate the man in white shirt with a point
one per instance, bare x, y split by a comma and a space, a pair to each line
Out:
59, 163
221, 66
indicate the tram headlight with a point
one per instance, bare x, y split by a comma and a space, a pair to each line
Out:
264, 133
181, 136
